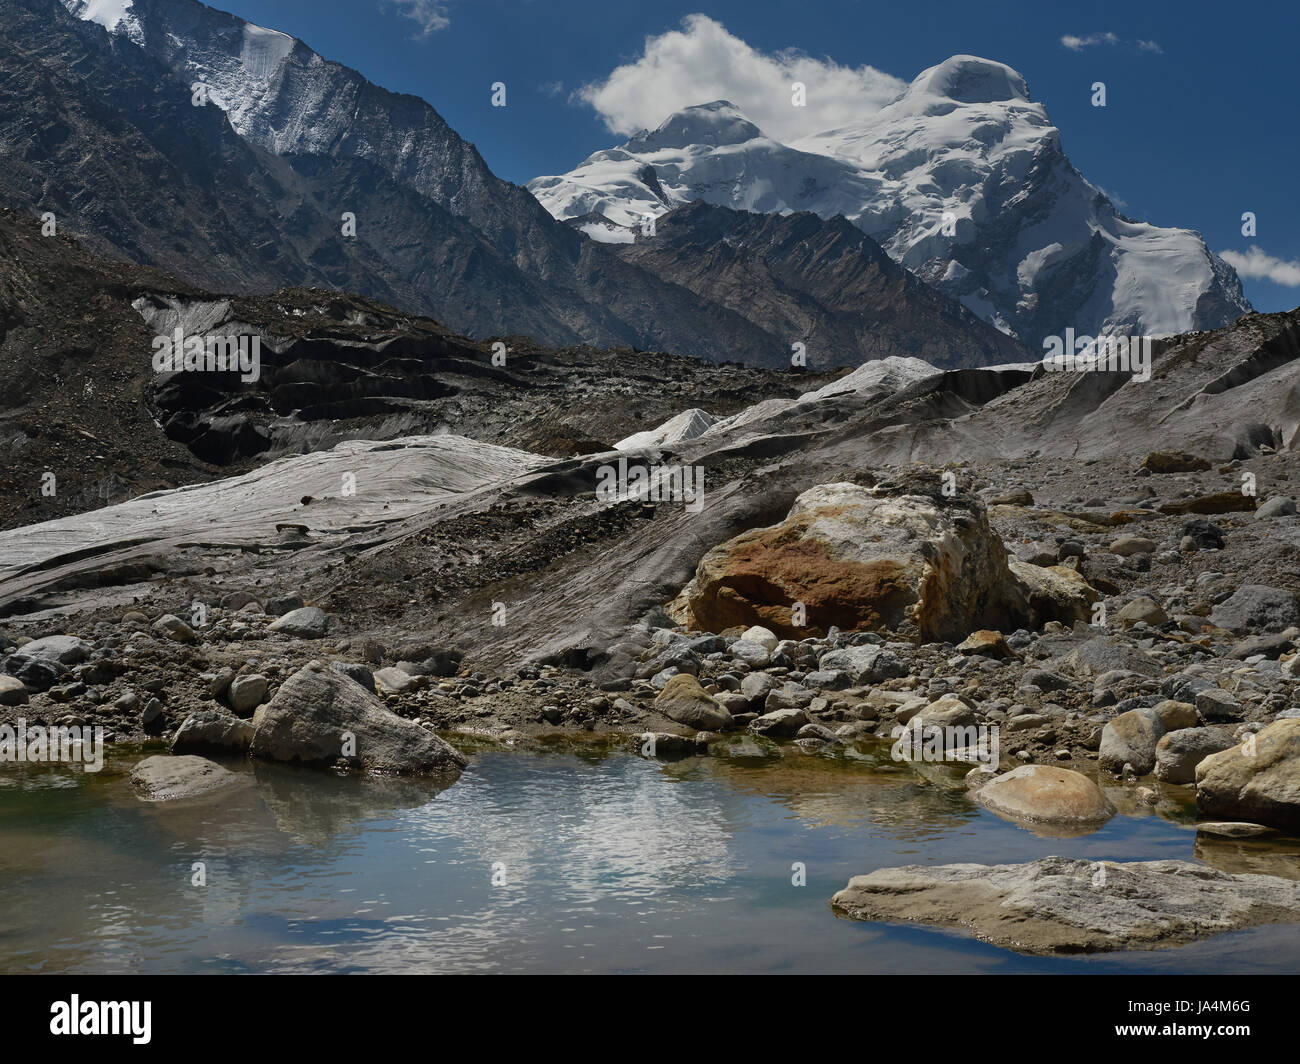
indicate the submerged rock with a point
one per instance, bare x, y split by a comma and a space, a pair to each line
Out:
1057, 905
162, 778
1047, 795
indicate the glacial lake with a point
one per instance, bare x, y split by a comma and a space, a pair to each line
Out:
580, 857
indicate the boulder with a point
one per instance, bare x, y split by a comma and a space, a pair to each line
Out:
789, 695
765, 637
13, 692
246, 693
1141, 610
686, 702
753, 654
321, 717
1127, 546
1046, 794
1068, 906
755, 687
1219, 502
662, 745
237, 600
1217, 705
1100, 655
946, 712
394, 681
1174, 462
163, 778
354, 671
1203, 534
1054, 593
63, 649
1179, 752
1258, 781
1256, 608
210, 731
986, 643
36, 674
782, 722
306, 622
902, 557
169, 626
1131, 739
282, 604
865, 664
1176, 715
1277, 506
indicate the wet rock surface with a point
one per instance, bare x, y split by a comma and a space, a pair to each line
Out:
1063, 906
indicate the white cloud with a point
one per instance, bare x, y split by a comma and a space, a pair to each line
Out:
1078, 44
1259, 265
430, 15
703, 62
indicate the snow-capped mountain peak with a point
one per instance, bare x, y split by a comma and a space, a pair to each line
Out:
708, 125
962, 179
968, 79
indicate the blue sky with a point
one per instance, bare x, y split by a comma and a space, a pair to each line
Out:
1200, 125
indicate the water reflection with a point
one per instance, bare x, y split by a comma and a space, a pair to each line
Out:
573, 858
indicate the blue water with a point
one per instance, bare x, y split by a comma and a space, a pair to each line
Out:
555, 861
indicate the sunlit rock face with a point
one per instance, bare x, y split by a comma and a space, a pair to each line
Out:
861, 559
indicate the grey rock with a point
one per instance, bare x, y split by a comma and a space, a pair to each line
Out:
247, 692
1216, 705
1131, 738
828, 679
37, 674
316, 709
755, 655
1179, 752
755, 687
789, 695
306, 622
864, 664
221, 682
210, 731
358, 673
63, 649
282, 604
169, 626
395, 681
1060, 905
1256, 608
163, 778
1277, 506
13, 692
782, 722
